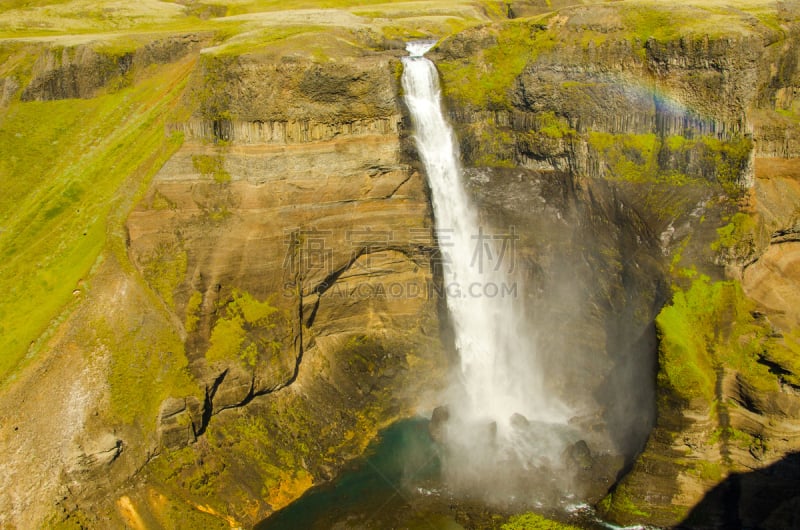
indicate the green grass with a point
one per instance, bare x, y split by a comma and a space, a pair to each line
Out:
647, 20
665, 21
258, 39
236, 7
148, 365
8, 5
485, 81
63, 164
534, 521
485, 78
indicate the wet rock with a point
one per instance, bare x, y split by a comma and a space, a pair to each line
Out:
518, 421
578, 455
437, 427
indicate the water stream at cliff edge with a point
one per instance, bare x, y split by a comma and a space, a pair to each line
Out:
500, 417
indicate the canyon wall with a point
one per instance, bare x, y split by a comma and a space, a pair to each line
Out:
691, 130
272, 308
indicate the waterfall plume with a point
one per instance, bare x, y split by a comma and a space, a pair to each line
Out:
501, 419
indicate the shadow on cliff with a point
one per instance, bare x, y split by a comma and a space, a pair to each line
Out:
765, 499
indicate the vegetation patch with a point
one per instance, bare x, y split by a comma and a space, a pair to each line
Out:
661, 22
148, 365
673, 160
255, 40
534, 521
621, 501
165, 270
494, 145
727, 161
192, 311
627, 157
485, 81
67, 167
738, 236
211, 166
711, 325
784, 351
247, 331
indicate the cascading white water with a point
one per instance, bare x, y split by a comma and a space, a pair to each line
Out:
499, 371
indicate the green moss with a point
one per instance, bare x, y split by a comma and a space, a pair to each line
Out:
496, 9
589, 38
707, 326
117, 47
677, 143
635, 158
270, 453
496, 146
211, 166
685, 331
675, 268
165, 270
622, 502
785, 352
628, 157
738, 233
248, 330
555, 127
534, 521
708, 471
730, 159
192, 309
247, 456
76, 520
148, 365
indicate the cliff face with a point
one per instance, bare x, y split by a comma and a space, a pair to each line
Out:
684, 127
312, 248
269, 307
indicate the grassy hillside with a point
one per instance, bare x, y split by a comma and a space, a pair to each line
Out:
70, 169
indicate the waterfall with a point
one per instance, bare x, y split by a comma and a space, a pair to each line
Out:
499, 377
